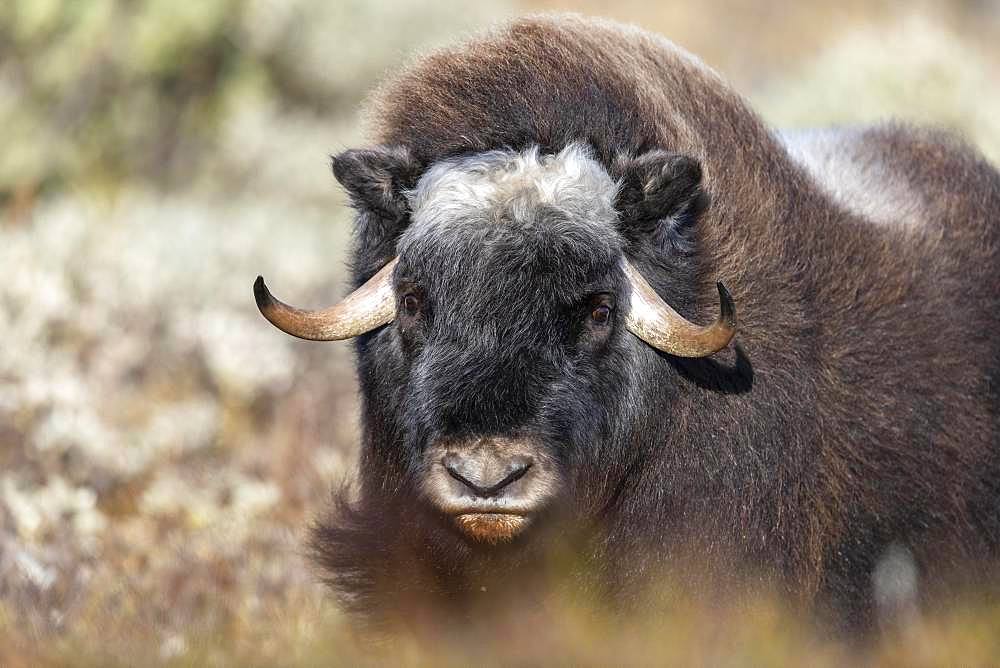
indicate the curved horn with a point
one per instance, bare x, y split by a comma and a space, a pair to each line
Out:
370, 306
653, 321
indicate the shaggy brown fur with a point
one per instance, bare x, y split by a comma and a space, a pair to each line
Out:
860, 405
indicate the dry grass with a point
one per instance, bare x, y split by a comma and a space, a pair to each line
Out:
162, 448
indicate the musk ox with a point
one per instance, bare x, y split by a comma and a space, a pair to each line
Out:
548, 215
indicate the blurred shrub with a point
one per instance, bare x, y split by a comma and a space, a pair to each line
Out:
913, 68
104, 90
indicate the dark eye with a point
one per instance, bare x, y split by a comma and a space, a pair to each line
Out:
601, 307
411, 304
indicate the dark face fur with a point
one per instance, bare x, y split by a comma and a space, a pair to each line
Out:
508, 364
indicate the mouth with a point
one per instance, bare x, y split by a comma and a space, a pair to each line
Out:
491, 489
492, 528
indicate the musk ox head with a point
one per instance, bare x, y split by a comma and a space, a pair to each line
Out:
500, 344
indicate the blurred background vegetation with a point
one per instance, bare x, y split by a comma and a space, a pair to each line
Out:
162, 447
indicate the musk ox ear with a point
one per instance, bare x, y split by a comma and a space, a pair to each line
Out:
660, 195
376, 178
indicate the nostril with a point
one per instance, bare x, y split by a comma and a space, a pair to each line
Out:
516, 474
480, 487
453, 472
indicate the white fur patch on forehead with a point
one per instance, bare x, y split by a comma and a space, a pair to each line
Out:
514, 182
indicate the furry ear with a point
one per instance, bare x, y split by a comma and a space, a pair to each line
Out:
376, 178
660, 193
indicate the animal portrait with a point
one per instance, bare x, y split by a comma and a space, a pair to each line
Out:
503, 333
601, 306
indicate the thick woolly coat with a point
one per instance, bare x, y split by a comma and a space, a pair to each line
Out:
860, 405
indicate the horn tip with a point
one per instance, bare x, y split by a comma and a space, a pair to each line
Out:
727, 308
262, 295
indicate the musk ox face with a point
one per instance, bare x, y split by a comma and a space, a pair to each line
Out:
507, 333
514, 323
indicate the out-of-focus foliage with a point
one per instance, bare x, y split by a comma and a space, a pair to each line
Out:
915, 69
98, 90
162, 448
